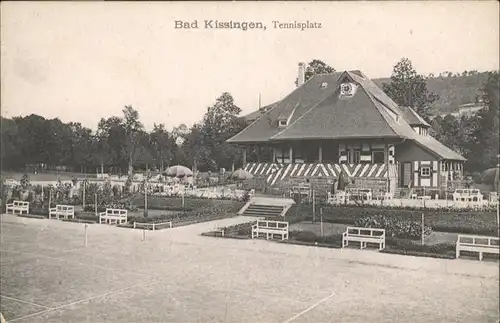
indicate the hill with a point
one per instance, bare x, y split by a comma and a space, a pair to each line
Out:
453, 90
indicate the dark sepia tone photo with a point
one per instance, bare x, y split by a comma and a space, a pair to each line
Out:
281, 162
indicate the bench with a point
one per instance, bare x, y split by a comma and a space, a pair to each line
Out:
338, 198
270, 228
113, 216
18, 206
479, 244
467, 195
62, 210
364, 236
361, 193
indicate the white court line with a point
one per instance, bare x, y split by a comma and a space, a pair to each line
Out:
309, 308
82, 301
21, 301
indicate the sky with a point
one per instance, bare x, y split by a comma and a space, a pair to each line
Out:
81, 61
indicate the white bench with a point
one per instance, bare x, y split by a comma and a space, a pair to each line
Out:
467, 195
18, 206
338, 198
62, 210
113, 216
270, 228
361, 193
479, 244
364, 236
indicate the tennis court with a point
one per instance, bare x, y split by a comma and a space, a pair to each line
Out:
176, 275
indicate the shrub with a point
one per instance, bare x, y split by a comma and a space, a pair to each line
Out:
410, 246
394, 227
446, 220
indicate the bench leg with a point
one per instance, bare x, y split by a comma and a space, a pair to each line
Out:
480, 256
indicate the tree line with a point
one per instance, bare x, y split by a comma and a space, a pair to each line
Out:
121, 142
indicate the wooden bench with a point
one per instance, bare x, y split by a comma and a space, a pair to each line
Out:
18, 206
338, 198
303, 190
479, 244
364, 236
113, 216
361, 193
270, 228
467, 195
62, 210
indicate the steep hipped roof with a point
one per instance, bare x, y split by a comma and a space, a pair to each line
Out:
336, 118
315, 111
295, 105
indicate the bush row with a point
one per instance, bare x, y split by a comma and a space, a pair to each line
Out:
394, 227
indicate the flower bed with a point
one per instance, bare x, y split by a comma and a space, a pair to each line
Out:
394, 227
308, 238
469, 222
175, 203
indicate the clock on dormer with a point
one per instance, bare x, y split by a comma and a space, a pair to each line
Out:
347, 89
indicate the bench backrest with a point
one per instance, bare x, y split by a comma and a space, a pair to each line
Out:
467, 191
65, 208
116, 212
266, 224
21, 203
483, 241
373, 232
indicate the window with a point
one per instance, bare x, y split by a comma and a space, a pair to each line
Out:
425, 171
282, 123
283, 155
378, 157
357, 157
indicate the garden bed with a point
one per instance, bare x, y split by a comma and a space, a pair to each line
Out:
464, 222
32, 216
175, 203
176, 222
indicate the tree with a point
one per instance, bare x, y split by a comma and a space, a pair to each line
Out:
132, 127
409, 89
315, 67
162, 144
219, 124
487, 132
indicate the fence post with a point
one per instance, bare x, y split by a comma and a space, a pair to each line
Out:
153, 226
86, 226
83, 195
321, 219
95, 198
143, 234
423, 227
170, 224
134, 224
314, 206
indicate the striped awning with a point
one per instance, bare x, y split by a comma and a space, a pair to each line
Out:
277, 172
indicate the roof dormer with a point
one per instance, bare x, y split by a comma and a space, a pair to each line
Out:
347, 89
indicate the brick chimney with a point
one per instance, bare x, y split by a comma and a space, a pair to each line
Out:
302, 74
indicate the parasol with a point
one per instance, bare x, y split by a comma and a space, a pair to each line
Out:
178, 171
